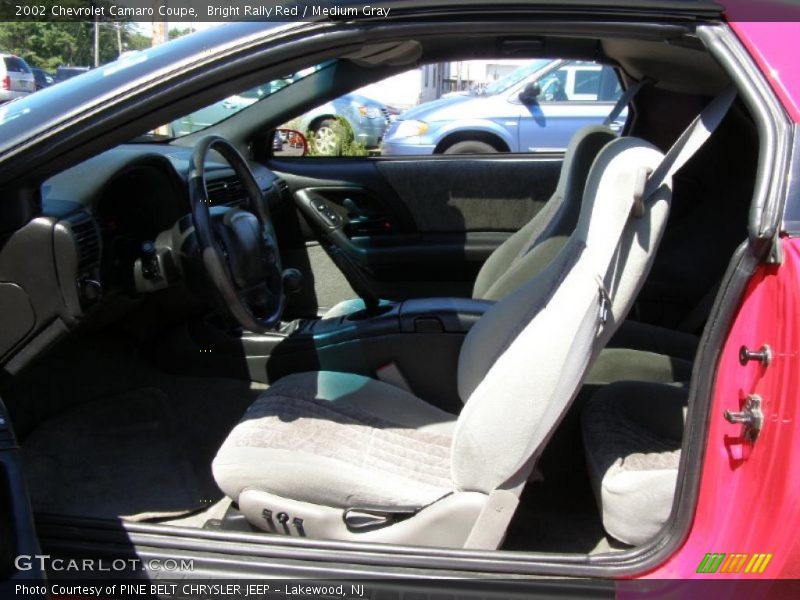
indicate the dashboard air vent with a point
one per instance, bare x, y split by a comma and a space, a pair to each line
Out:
87, 237
225, 190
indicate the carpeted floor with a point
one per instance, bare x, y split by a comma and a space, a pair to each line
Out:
558, 512
122, 456
105, 434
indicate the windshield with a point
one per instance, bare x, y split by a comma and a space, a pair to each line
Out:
224, 109
517, 75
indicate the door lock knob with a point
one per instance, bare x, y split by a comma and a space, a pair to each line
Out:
763, 355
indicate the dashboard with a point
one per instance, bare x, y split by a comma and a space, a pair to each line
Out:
125, 197
95, 218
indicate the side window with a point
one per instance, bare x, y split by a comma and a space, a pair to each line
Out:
581, 82
463, 107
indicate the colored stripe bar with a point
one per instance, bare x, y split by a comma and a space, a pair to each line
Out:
711, 563
701, 566
740, 563
728, 563
753, 564
764, 564
717, 563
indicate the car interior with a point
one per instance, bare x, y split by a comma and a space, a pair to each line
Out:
472, 351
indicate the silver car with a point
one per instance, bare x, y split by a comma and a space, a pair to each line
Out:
16, 78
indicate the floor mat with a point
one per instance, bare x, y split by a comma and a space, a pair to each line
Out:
559, 513
120, 456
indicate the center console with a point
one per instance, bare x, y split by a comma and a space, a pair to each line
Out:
421, 337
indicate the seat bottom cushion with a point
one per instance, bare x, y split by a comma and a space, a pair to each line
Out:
632, 435
624, 364
340, 440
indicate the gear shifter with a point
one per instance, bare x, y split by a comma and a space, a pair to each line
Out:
329, 225
354, 277
292, 281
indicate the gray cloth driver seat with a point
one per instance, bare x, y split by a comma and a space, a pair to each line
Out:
335, 455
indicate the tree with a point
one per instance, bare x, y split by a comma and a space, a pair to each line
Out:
51, 44
176, 33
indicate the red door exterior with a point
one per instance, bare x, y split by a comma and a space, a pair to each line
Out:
749, 501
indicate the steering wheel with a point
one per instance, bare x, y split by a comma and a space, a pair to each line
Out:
238, 247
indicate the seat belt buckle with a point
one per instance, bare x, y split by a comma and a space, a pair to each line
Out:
604, 301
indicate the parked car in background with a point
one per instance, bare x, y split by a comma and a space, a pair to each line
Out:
42, 78
64, 73
536, 107
367, 119
16, 79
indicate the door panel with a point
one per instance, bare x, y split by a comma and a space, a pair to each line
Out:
411, 227
472, 194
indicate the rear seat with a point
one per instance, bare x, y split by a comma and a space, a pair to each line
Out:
632, 434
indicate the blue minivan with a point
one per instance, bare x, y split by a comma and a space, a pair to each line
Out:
535, 108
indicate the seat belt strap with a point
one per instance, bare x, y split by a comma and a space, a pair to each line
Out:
682, 150
624, 100
690, 141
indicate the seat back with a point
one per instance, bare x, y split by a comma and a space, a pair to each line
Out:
526, 253
523, 362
